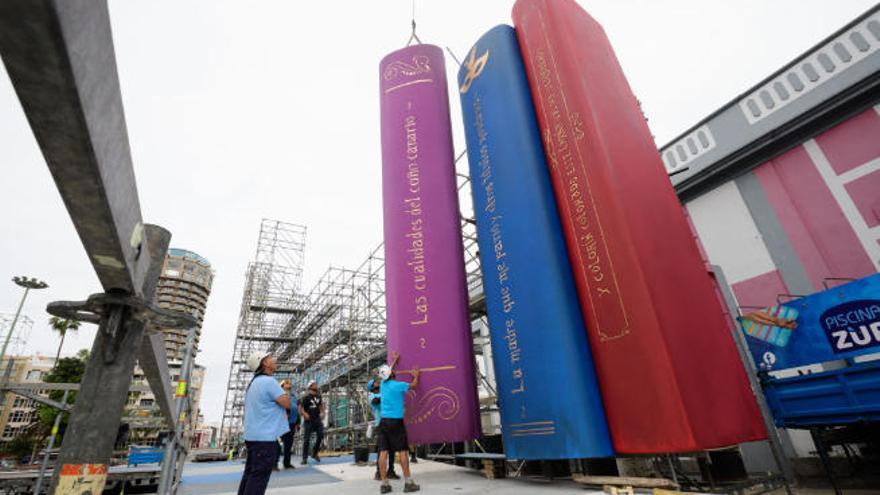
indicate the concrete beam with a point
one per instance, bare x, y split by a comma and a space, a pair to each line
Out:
34, 386
59, 55
155, 365
97, 414
60, 58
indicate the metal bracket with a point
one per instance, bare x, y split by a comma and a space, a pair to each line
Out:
108, 310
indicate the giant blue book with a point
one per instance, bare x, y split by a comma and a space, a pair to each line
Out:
548, 395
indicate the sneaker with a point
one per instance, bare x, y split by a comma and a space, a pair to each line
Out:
289, 466
411, 486
393, 476
276, 468
385, 489
304, 462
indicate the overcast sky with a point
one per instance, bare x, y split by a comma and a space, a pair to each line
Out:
240, 110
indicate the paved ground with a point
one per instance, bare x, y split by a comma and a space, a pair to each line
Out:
825, 491
340, 476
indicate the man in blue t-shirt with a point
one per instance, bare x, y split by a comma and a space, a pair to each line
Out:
392, 431
265, 419
376, 404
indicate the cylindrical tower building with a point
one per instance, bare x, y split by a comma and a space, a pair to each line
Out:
184, 285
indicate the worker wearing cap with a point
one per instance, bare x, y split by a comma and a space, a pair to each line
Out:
376, 404
312, 410
392, 431
265, 419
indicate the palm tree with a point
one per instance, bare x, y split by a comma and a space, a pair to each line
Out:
61, 326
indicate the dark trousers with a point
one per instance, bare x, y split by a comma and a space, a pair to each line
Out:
261, 458
287, 443
308, 428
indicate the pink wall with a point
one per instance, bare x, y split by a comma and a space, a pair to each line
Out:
760, 291
826, 195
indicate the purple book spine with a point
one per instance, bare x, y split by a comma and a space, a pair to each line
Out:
425, 289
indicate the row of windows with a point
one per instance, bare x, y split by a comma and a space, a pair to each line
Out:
166, 286
21, 416
188, 283
176, 302
201, 278
190, 290
11, 432
183, 309
182, 299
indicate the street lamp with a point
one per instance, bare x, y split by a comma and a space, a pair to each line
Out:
28, 283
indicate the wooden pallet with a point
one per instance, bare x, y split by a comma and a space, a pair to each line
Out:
625, 485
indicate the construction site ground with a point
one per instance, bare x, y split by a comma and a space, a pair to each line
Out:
340, 476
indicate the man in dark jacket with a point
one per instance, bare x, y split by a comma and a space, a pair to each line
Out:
312, 409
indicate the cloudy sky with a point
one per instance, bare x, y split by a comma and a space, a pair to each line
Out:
243, 110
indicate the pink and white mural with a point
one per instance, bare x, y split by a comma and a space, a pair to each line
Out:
825, 194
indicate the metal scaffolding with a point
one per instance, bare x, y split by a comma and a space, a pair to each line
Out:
270, 305
335, 336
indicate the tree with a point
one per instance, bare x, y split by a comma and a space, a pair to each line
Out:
61, 326
66, 370
20, 446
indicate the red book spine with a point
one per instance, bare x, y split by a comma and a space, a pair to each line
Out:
669, 371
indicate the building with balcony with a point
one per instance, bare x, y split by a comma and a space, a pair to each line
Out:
18, 414
184, 285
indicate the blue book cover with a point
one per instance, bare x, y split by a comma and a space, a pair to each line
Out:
547, 390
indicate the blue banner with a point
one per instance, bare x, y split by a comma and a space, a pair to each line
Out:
547, 390
838, 323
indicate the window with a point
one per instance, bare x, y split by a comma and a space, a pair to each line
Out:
17, 416
34, 376
146, 402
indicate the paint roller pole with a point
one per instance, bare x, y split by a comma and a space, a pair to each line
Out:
169, 476
49, 446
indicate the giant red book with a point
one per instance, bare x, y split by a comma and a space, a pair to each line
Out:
669, 372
